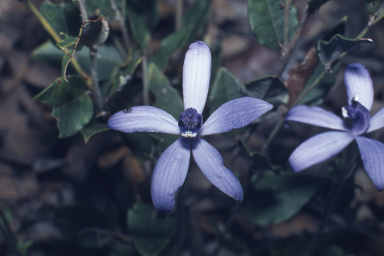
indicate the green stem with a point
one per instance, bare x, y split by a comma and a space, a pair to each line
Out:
144, 68
95, 78
179, 14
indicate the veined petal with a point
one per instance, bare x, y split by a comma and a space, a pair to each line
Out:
143, 119
196, 75
377, 121
318, 149
211, 164
372, 154
234, 114
316, 116
359, 85
169, 174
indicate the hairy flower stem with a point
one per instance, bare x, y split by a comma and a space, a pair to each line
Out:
83, 11
95, 78
144, 69
179, 14
329, 204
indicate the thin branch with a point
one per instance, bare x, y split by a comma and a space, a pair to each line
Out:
287, 12
83, 11
120, 17
179, 14
287, 53
144, 69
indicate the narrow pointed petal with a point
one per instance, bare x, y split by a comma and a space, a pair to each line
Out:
359, 84
211, 164
169, 174
318, 149
372, 154
316, 116
143, 119
196, 75
377, 121
235, 114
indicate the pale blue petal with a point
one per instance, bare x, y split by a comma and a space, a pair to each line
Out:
143, 119
196, 75
377, 121
359, 84
234, 114
318, 149
211, 164
372, 154
316, 116
169, 174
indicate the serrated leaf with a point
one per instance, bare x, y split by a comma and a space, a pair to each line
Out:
92, 129
330, 51
279, 197
193, 21
60, 92
226, 87
267, 21
149, 234
73, 115
269, 88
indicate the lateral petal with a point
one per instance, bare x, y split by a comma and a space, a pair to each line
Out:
211, 164
235, 114
372, 154
316, 116
143, 119
196, 75
358, 83
318, 149
169, 174
377, 121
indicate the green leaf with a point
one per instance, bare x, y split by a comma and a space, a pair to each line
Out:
67, 42
108, 57
330, 51
225, 88
138, 25
60, 92
313, 5
167, 98
22, 247
64, 17
269, 88
101, 7
74, 115
92, 129
149, 235
193, 21
267, 21
279, 197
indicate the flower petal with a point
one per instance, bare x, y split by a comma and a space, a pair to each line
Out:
318, 149
316, 116
234, 114
377, 121
169, 174
143, 119
359, 84
372, 154
210, 163
196, 75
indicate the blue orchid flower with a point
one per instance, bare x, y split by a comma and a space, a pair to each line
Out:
325, 145
172, 166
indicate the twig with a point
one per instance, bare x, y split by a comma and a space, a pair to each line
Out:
120, 17
83, 11
295, 38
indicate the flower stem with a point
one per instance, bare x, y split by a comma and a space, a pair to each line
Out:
83, 11
144, 69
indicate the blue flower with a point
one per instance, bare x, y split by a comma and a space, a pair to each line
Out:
325, 145
172, 166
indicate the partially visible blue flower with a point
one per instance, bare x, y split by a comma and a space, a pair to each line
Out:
172, 166
325, 145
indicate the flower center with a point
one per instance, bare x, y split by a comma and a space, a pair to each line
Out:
190, 123
359, 116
